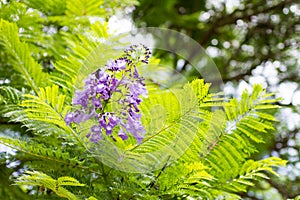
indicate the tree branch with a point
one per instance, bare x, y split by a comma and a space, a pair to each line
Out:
240, 14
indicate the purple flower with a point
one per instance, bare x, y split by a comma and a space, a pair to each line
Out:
116, 65
121, 64
111, 65
118, 76
122, 135
113, 120
96, 134
137, 89
138, 53
102, 121
77, 117
96, 138
108, 129
89, 80
113, 84
100, 88
136, 74
97, 103
69, 118
96, 129
81, 98
136, 128
102, 76
108, 121
88, 115
133, 114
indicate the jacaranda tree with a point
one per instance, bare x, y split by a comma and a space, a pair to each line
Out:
94, 128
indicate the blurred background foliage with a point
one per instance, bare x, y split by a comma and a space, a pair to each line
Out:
251, 41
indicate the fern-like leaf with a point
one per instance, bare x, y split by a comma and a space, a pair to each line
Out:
85, 7
252, 170
23, 63
9, 95
35, 178
42, 153
87, 56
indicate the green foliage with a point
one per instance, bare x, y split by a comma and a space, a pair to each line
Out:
217, 163
198, 144
35, 178
10, 95
250, 41
48, 107
39, 151
84, 58
23, 63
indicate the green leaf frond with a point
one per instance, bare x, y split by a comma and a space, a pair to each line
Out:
205, 98
242, 129
246, 117
35, 178
169, 114
48, 7
43, 113
233, 139
22, 61
85, 7
10, 98
252, 170
211, 124
223, 150
171, 121
179, 178
10, 95
42, 152
86, 56
48, 107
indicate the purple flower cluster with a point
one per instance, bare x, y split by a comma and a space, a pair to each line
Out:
119, 78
